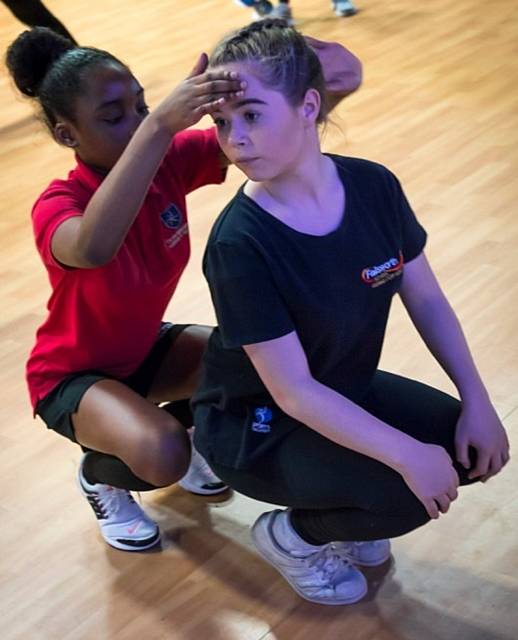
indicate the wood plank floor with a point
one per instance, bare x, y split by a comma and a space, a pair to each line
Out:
439, 106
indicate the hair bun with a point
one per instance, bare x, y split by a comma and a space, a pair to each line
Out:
31, 55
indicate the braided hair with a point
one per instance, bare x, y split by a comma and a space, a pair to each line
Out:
279, 56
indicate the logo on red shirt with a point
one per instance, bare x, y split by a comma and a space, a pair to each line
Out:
171, 217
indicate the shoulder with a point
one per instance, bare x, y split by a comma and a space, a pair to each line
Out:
58, 190
361, 168
61, 199
372, 180
236, 222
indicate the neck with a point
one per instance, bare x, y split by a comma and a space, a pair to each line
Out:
303, 180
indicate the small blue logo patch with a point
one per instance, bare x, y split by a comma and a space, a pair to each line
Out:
171, 217
262, 418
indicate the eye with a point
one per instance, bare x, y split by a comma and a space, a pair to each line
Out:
251, 116
113, 121
220, 122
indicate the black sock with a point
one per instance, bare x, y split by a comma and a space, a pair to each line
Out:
101, 468
298, 522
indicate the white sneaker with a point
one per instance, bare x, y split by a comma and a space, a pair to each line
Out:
366, 554
344, 8
123, 524
262, 9
318, 574
200, 479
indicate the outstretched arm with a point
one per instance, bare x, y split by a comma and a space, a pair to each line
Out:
435, 320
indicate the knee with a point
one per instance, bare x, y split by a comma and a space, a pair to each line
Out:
164, 456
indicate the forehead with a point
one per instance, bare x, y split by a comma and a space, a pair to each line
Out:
255, 88
109, 81
248, 73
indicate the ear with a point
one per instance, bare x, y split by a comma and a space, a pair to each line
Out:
311, 106
65, 135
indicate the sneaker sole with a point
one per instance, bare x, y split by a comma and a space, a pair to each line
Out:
133, 545
200, 491
263, 524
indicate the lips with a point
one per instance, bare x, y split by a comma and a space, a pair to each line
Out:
245, 160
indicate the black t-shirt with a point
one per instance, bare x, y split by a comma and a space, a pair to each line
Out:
267, 280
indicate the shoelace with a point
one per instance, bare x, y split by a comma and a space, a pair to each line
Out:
110, 499
327, 562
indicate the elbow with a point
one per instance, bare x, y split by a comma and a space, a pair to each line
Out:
355, 77
92, 257
95, 260
289, 401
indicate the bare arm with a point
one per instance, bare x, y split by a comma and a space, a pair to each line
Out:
94, 238
283, 368
342, 69
440, 329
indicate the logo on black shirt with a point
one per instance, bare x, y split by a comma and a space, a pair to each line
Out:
262, 418
382, 273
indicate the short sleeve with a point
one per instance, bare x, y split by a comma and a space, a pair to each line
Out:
413, 235
249, 307
50, 210
196, 155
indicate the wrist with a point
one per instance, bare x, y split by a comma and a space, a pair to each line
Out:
474, 395
403, 453
160, 123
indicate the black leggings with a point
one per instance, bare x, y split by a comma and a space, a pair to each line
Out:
339, 494
35, 14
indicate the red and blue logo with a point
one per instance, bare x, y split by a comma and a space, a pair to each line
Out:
381, 273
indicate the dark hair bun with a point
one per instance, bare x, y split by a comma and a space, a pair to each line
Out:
31, 55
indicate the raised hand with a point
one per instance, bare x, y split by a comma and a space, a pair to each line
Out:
200, 93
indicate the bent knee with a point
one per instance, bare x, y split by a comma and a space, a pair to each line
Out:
163, 457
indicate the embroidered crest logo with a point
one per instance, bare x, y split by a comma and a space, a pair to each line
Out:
171, 217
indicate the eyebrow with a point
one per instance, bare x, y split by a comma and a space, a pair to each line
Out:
242, 103
117, 101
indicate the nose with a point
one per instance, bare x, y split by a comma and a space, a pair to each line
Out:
236, 136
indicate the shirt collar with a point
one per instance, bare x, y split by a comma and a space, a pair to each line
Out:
88, 177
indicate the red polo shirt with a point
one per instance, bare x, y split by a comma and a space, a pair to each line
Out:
107, 318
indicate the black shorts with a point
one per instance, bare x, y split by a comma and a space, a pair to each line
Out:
57, 407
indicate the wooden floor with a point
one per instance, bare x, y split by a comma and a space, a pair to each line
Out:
439, 106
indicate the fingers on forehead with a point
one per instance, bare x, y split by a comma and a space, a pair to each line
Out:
215, 74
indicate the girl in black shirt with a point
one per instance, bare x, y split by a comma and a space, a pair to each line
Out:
302, 266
